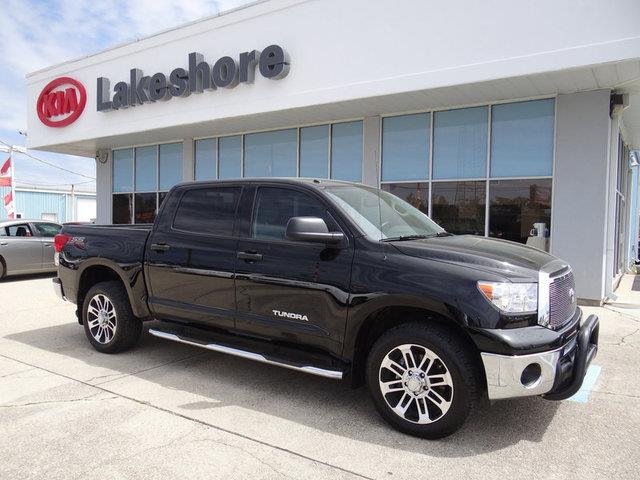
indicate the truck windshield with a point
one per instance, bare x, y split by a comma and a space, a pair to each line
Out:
382, 215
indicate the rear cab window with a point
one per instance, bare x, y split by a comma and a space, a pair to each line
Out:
210, 211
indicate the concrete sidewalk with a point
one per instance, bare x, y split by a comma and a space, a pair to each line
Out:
165, 410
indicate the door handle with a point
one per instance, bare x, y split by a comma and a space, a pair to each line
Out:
250, 256
3, 243
47, 244
160, 247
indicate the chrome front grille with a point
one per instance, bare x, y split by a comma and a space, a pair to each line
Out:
562, 299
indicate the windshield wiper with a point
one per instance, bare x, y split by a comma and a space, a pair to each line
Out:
404, 237
416, 237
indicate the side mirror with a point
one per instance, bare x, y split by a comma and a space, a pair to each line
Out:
311, 229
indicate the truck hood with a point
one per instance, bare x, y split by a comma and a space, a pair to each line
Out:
498, 256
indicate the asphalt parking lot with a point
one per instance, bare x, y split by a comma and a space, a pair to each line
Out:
165, 410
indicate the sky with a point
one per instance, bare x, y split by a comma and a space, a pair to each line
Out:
37, 34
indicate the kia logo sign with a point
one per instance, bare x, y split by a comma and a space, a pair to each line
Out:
61, 102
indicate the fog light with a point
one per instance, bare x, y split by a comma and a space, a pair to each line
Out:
531, 374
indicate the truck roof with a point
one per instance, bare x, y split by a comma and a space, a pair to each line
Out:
283, 180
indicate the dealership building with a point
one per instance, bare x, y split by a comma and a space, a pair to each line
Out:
504, 119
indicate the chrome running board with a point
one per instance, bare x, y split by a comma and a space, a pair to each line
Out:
321, 372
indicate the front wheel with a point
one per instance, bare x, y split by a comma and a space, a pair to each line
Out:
108, 320
424, 381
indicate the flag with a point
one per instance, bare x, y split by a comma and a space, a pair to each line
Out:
5, 174
9, 206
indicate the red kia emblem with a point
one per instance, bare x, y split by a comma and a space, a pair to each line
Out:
65, 103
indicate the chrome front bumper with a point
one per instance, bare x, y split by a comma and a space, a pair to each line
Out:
558, 373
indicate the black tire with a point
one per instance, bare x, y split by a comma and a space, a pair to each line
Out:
455, 364
2, 268
126, 328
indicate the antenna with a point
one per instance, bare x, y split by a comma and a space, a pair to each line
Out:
378, 179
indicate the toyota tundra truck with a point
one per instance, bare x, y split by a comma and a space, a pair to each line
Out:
339, 280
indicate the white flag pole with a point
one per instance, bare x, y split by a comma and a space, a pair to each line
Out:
13, 183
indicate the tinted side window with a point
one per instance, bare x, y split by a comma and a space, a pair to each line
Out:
48, 229
208, 210
21, 230
275, 206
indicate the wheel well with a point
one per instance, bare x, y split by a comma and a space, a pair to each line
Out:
3, 272
386, 318
90, 277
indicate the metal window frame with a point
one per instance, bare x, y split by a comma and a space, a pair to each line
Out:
487, 178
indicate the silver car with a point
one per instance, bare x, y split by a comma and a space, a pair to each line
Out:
26, 246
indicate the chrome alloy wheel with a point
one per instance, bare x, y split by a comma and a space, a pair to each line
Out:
416, 384
101, 318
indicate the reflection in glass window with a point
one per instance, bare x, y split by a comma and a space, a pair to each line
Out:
459, 207
145, 211
416, 194
122, 208
346, 151
271, 154
123, 170
146, 169
208, 210
314, 151
205, 158
170, 165
229, 151
276, 206
522, 138
161, 197
516, 205
460, 143
405, 147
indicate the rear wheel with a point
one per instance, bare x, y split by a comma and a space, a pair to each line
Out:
423, 379
108, 320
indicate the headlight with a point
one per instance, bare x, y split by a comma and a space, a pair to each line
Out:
511, 297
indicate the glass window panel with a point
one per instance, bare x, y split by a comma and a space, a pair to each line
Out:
48, 229
522, 138
460, 143
405, 147
416, 194
459, 207
122, 207
146, 169
145, 211
346, 151
205, 156
208, 210
123, 170
271, 154
170, 165
314, 151
276, 206
229, 150
516, 205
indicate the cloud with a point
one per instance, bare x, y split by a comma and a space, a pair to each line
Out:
37, 34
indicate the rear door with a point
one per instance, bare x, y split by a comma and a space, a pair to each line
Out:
46, 232
191, 254
286, 290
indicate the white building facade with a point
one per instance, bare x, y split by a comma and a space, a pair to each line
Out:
495, 118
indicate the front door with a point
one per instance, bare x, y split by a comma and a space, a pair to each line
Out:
286, 290
191, 257
21, 249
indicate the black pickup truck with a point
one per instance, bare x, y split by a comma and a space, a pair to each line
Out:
339, 280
